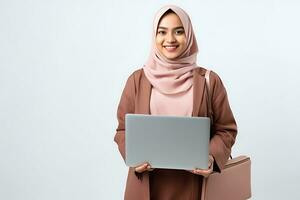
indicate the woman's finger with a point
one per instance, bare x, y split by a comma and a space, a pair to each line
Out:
149, 168
209, 163
141, 168
203, 172
210, 160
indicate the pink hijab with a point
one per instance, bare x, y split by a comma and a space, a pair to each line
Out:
172, 80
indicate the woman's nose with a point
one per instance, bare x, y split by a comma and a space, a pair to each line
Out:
170, 38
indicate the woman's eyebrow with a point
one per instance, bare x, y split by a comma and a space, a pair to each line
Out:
178, 27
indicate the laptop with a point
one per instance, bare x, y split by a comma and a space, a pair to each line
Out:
167, 142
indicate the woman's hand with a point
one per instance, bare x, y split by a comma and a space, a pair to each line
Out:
143, 167
205, 172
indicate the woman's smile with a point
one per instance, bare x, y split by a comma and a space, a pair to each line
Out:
171, 48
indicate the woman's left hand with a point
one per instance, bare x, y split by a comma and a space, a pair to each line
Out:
205, 172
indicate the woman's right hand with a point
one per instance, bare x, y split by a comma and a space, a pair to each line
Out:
143, 167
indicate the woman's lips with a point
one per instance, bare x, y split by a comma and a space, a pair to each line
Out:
171, 48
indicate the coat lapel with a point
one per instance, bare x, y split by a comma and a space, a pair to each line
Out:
198, 89
143, 96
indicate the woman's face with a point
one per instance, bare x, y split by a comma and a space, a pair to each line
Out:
170, 37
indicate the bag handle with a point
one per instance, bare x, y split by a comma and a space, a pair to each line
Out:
210, 111
209, 102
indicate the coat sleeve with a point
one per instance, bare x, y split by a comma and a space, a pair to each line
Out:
126, 105
224, 125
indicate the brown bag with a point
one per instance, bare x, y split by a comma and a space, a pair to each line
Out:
234, 182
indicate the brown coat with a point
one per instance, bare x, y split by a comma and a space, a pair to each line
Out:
136, 99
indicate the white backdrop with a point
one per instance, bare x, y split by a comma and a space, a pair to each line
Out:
63, 65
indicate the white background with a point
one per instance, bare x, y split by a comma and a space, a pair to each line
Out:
63, 65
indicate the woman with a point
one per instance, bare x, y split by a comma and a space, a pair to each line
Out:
170, 83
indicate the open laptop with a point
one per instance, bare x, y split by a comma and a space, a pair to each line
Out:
169, 142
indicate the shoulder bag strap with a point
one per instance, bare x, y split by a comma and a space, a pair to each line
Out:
209, 106
209, 102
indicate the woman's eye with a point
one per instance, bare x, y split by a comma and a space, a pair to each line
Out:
179, 32
161, 32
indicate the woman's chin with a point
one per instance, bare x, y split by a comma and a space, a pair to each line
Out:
171, 56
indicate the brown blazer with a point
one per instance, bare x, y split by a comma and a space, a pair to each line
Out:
136, 99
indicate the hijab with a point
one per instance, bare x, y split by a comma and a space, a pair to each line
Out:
172, 80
